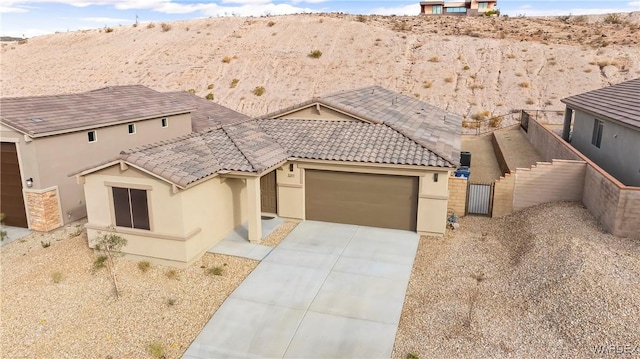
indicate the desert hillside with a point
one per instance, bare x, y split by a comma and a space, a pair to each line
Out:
462, 64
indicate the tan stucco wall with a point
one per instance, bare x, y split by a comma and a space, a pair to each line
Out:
560, 180
627, 223
184, 225
503, 195
312, 113
58, 156
432, 196
458, 195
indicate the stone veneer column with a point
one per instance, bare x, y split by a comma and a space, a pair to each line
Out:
44, 210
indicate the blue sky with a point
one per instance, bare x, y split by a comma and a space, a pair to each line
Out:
37, 17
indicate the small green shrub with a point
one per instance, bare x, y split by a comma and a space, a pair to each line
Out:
171, 274
209, 96
99, 263
45, 244
171, 301
165, 27
78, 231
215, 271
192, 91
315, 54
156, 350
411, 356
144, 266
234, 83
259, 90
466, 67
57, 277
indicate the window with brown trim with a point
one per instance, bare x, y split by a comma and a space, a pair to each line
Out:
131, 208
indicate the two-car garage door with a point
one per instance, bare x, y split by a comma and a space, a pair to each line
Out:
360, 198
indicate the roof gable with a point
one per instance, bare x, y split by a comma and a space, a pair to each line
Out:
47, 115
619, 102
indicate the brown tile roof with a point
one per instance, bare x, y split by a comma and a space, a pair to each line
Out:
46, 115
207, 114
349, 141
242, 147
435, 129
619, 102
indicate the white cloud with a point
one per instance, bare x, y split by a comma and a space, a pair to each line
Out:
307, 1
634, 4
413, 9
106, 20
12, 9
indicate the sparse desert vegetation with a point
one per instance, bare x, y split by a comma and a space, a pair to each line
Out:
315, 54
259, 90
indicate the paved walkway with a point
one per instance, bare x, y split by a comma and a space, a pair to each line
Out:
327, 291
237, 244
13, 234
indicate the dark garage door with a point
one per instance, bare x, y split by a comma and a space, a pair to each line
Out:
11, 201
364, 199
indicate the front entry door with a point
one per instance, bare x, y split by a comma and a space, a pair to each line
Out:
268, 193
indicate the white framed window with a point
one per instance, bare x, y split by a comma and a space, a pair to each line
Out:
92, 136
131, 128
164, 122
483, 5
457, 9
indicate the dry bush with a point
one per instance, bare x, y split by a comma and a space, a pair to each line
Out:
434, 59
259, 90
481, 116
511, 56
210, 87
209, 96
530, 101
587, 70
519, 74
361, 18
495, 122
315, 54
448, 80
151, 25
192, 91
427, 84
226, 59
165, 27
108, 29
580, 19
466, 67
476, 86
271, 23
22, 41
524, 85
613, 19
470, 124
234, 83
401, 26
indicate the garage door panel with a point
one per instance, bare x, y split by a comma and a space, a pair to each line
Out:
364, 199
11, 200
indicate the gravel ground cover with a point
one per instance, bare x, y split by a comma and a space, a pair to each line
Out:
56, 305
278, 234
545, 282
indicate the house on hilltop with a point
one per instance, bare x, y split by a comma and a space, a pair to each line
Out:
44, 138
369, 156
606, 128
467, 7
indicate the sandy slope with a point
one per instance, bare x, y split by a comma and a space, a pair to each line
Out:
512, 62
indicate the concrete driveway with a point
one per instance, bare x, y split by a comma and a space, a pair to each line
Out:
327, 291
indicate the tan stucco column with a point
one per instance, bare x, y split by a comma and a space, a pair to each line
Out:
253, 210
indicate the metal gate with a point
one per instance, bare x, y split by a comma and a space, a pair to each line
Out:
480, 198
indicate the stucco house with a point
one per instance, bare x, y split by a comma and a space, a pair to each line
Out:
466, 7
44, 138
369, 156
606, 128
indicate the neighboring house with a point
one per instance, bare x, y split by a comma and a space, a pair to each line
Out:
369, 156
606, 128
468, 7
